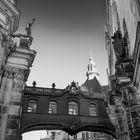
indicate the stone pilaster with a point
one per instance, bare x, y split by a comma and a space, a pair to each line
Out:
14, 114
5, 102
123, 129
16, 71
9, 19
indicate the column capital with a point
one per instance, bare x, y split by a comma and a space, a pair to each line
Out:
13, 72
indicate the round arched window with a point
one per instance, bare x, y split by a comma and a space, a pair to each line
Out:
73, 108
92, 110
32, 106
52, 107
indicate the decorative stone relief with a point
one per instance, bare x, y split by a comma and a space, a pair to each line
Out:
18, 85
72, 126
124, 65
13, 72
73, 88
120, 46
133, 95
112, 115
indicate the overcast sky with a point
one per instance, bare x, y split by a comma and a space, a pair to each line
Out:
65, 32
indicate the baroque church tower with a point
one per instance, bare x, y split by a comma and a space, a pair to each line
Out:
92, 70
92, 83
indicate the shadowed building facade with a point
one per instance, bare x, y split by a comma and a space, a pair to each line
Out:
24, 108
122, 34
73, 109
16, 58
93, 88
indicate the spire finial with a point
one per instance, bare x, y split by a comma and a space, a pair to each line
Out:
92, 70
53, 85
34, 83
91, 53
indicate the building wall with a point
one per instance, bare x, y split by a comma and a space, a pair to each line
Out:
123, 15
128, 10
63, 120
62, 103
9, 19
122, 34
15, 62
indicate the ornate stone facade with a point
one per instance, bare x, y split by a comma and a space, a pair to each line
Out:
15, 74
69, 109
15, 63
73, 109
122, 37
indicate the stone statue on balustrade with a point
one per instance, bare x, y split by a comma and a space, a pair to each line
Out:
28, 27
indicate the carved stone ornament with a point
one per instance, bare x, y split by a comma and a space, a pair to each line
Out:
125, 69
73, 88
34, 83
112, 115
72, 126
18, 86
134, 97
53, 85
13, 72
136, 111
120, 46
124, 65
28, 27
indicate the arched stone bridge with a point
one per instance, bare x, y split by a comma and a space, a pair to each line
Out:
71, 110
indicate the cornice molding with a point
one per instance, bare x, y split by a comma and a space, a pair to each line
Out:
14, 12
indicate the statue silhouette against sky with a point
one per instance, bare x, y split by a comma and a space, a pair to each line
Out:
28, 27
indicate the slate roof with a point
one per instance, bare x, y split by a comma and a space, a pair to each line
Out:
93, 85
105, 88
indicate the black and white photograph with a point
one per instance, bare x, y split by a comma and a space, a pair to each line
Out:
69, 69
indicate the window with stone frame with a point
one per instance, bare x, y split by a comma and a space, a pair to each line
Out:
73, 108
32, 105
52, 107
92, 109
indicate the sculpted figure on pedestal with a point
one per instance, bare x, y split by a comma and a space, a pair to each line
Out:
28, 27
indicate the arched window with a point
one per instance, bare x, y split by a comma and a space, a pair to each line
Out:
32, 106
92, 110
73, 108
52, 107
